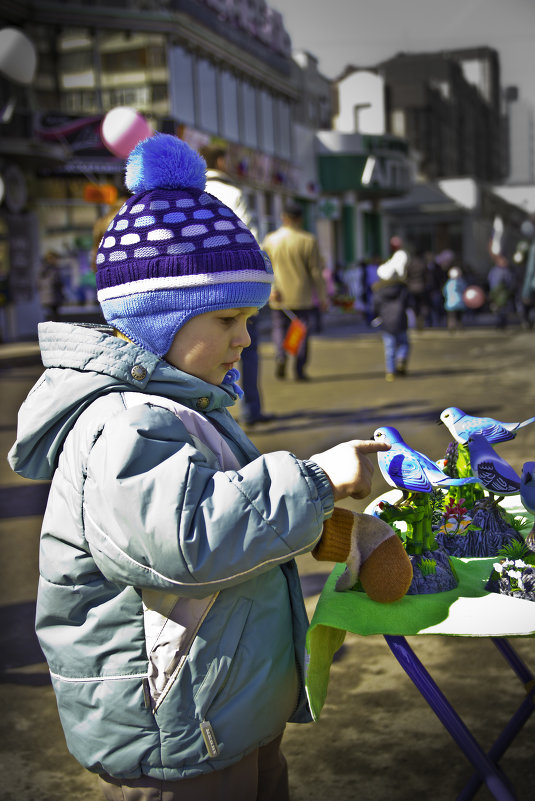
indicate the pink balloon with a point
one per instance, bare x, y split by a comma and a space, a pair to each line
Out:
474, 297
121, 130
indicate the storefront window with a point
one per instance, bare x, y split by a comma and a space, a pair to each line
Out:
207, 96
248, 115
267, 125
181, 88
229, 107
283, 130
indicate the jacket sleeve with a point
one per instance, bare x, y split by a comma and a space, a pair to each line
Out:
156, 514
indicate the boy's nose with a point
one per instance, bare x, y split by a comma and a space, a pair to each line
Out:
242, 338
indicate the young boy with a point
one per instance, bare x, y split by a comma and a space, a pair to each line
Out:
169, 606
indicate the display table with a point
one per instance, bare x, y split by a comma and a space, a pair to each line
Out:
468, 611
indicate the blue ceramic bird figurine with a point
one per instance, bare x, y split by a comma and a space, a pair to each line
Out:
493, 472
527, 496
461, 426
407, 469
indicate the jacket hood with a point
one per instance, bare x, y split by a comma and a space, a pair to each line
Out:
82, 363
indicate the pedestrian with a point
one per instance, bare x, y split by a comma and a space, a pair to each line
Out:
439, 267
391, 298
220, 184
354, 278
501, 282
527, 292
399, 258
169, 605
299, 282
453, 298
370, 277
419, 287
50, 285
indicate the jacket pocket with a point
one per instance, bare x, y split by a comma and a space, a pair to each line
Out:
220, 668
171, 625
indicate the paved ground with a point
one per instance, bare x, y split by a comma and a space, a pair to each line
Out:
376, 739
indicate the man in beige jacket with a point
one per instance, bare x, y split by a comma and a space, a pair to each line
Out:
299, 286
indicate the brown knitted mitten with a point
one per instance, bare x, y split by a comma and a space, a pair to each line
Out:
335, 540
372, 552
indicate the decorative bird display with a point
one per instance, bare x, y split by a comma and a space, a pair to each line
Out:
462, 426
527, 496
493, 472
407, 469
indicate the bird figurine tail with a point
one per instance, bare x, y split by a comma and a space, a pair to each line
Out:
457, 482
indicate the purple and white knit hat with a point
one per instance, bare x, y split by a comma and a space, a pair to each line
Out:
173, 251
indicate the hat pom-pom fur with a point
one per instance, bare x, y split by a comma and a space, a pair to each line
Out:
164, 162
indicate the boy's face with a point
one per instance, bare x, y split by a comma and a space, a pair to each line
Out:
208, 345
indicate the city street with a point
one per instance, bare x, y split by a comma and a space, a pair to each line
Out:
376, 740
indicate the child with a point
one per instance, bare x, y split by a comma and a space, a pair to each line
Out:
390, 299
169, 606
453, 298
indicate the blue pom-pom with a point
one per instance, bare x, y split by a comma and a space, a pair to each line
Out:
164, 162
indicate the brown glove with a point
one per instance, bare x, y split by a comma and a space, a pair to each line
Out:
372, 552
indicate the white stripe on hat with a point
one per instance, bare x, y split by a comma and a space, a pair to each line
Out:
183, 282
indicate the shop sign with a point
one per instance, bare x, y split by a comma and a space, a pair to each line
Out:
81, 134
328, 208
385, 174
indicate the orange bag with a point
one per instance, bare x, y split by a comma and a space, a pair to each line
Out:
294, 336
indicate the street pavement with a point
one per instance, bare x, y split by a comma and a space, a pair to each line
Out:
376, 740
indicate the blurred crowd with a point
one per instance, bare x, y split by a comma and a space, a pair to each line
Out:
440, 291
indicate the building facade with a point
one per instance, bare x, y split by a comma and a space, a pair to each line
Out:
448, 106
521, 139
209, 71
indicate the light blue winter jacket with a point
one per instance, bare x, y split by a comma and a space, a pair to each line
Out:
169, 606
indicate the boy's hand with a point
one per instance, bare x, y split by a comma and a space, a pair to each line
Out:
349, 468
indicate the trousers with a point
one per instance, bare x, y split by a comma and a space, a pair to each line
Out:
396, 347
260, 776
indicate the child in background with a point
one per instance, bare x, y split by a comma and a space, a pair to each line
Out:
453, 298
169, 605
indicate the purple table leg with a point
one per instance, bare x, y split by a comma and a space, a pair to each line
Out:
485, 766
522, 714
520, 668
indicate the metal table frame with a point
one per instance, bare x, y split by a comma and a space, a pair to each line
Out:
485, 764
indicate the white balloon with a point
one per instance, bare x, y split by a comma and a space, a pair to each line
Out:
18, 56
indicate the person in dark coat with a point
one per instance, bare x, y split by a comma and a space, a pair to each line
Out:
419, 286
391, 300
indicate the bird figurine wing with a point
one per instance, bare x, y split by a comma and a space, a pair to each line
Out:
461, 426
493, 472
402, 470
527, 487
527, 496
405, 468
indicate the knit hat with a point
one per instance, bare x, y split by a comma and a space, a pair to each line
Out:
173, 251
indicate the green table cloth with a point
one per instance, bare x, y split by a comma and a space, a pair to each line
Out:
468, 610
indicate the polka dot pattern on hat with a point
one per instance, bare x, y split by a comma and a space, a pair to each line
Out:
174, 251
151, 226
